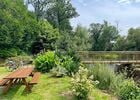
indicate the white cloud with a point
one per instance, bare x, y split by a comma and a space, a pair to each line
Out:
128, 1
124, 1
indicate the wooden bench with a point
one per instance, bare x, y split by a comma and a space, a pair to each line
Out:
35, 78
18, 76
3, 82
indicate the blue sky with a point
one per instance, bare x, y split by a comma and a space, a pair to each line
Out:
124, 12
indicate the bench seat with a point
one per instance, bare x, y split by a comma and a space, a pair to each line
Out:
35, 78
3, 82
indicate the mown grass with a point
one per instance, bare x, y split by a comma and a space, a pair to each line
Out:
48, 89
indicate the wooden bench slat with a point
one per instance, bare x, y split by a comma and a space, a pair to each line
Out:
35, 78
20, 73
3, 82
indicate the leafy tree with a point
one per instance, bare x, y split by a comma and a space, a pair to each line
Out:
39, 7
130, 42
95, 32
120, 44
11, 17
133, 39
46, 39
60, 14
19, 29
81, 38
31, 32
103, 36
64, 42
18, 26
57, 12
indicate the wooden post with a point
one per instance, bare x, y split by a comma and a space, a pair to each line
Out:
26, 84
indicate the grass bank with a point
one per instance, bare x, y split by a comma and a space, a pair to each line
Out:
48, 89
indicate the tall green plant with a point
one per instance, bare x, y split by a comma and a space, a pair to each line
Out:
69, 64
81, 85
128, 90
45, 61
103, 74
70, 61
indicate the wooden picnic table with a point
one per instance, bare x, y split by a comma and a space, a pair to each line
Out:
20, 74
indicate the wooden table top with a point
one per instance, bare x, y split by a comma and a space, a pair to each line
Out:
20, 73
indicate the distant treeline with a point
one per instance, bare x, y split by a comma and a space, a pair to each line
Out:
48, 28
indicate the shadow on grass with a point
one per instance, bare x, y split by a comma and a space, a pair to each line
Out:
11, 93
26, 92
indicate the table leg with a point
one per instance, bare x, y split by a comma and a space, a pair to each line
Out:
8, 86
26, 84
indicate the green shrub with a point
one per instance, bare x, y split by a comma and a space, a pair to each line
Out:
46, 61
69, 64
58, 71
75, 56
70, 61
128, 91
12, 52
103, 74
116, 81
81, 84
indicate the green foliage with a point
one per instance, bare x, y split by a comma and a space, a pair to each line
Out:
80, 40
20, 29
129, 91
116, 81
45, 62
12, 52
49, 87
102, 36
69, 65
58, 14
12, 15
58, 71
16, 22
81, 84
49, 34
16, 26
120, 44
70, 61
125, 89
130, 42
133, 39
103, 74
65, 42
46, 38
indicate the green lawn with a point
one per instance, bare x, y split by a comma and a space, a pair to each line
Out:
48, 89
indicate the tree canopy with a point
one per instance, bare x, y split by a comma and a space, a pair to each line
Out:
57, 12
48, 27
102, 36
